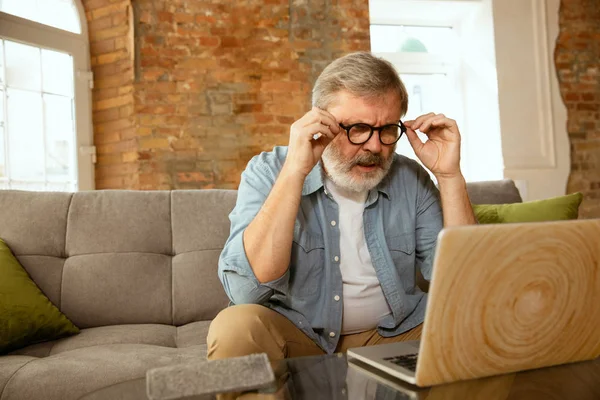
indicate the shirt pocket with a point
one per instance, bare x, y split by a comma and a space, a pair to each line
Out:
402, 250
306, 271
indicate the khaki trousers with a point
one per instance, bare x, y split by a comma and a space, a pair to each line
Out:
249, 329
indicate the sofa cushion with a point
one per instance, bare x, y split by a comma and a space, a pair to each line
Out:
193, 334
26, 315
34, 222
118, 288
200, 229
152, 334
119, 221
72, 374
188, 270
554, 209
9, 365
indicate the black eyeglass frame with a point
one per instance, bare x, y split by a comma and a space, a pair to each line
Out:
400, 124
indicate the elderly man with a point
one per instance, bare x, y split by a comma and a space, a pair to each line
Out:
328, 232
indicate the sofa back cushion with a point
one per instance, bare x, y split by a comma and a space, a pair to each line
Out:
122, 257
494, 192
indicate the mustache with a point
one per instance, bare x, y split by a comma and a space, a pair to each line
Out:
369, 159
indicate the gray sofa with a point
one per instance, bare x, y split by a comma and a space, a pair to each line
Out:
136, 271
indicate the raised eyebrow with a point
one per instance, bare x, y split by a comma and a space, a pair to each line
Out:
354, 123
361, 122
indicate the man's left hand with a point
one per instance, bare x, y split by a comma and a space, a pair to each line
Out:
441, 153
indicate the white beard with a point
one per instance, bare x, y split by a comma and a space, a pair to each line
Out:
340, 172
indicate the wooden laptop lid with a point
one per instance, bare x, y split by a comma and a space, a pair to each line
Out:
511, 297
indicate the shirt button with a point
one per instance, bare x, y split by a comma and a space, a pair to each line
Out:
331, 334
333, 223
336, 298
336, 259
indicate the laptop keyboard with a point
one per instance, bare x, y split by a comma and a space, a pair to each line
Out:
408, 361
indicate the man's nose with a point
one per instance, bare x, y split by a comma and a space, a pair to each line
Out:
373, 144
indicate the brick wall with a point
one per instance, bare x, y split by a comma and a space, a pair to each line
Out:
577, 59
115, 135
187, 91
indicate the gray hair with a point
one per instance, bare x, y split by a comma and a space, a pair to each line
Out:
362, 75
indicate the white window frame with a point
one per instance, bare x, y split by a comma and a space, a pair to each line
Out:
29, 32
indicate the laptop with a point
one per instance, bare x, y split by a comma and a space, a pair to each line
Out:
503, 298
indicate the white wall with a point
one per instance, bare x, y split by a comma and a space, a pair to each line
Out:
533, 118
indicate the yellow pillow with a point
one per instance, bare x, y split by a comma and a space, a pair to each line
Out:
26, 315
553, 209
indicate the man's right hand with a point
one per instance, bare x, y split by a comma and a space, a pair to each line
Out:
304, 151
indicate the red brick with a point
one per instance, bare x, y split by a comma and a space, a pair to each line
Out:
209, 41
108, 33
93, 4
205, 20
183, 18
146, 17
193, 177
156, 109
120, 19
282, 86
109, 58
198, 64
114, 126
107, 115
588, 96
108, 10
248, 108
111, 183
164, 16
111, 103
103, 46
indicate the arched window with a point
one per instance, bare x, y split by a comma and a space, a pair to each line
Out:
45, 113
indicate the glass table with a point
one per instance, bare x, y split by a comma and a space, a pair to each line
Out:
335, 377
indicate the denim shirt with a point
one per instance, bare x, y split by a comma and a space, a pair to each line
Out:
402, 218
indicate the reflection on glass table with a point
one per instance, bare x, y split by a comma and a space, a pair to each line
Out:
335, 377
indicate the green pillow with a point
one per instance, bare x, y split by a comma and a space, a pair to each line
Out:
554, 209
26, 315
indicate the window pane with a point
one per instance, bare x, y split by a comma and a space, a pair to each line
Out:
2, 138
20, 8
60, 187
57, 72
27, 185
2, 62
2, 154
426, 93
23, 69
25, 137
60, 14
419, 39
59, 138
2, 123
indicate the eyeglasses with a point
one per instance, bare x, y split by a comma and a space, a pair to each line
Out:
361, 133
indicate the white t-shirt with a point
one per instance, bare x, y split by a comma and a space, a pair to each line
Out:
364, 302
